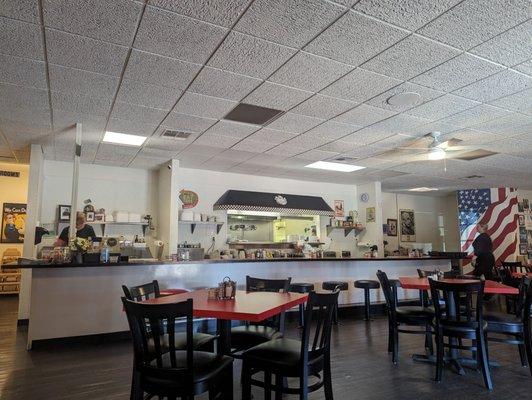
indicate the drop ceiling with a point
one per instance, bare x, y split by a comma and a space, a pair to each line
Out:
145, 67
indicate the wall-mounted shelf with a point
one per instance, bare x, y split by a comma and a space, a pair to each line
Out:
144, 225
194, 223
346, 229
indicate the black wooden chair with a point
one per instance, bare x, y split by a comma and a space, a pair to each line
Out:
286, 358
514, 329
201, 341
514, 266
507, 279
165, 370
459, 320
245, 336
404, 315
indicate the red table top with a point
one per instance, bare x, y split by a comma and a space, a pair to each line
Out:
491, 287
520, 274
247, 306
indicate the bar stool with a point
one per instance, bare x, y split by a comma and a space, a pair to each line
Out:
332, 285
367, 285
300, 287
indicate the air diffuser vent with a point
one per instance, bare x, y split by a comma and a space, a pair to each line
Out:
474, 177
176, 134
251, 114
474, 155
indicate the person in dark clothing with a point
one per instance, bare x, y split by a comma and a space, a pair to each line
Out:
82, 231
483, 248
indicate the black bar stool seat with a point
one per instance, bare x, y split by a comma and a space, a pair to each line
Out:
300, 287
367, 285
332, 285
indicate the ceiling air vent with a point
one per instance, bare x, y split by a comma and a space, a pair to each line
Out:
474, 177
345, 159
176, 134
250, 114
474, 155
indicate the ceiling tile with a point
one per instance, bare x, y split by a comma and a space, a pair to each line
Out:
475, 115
458, 72
512, 124
236, 155
309, 72
271, 136
232, 129
22, 72
525, 67
107, 151
147, 95
276, 96
475, 21
253, 145
78, 104
130, 127
148, 162
289, 22
246, 55
220, 141
323, 106
355, 38
24, 10
410, 57
136, 113
76, 81
169, 34
409, 14
340, 146
220, 12
286, 150
20, 39
295, 123
12, 96
219, 164
364, 115
471, 137
160, 70
496, 86
441, 107
165, 155
366, 136
425, 93
188, 123
331, 130
435, 126
316, 155
112, 21
509, 48
521, 101
167, 144
85, 53
204, 106
360, 85
197, 150
227, 85
400, 123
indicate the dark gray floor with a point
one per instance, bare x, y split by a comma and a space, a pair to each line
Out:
361, 368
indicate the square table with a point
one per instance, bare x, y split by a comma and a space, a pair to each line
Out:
246, 306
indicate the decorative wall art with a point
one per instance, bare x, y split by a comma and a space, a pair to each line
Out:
392, 227
370, 214
339, 208
13, 222
408, 225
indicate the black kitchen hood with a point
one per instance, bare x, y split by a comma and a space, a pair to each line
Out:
273, 202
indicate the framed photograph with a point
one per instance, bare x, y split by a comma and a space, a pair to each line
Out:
339, 211
392, 227
521, 219
408, 225
370, 214
13, 223
99, 217
523, 249
526, 205
522, 234
89, 216
63, 213
520, 206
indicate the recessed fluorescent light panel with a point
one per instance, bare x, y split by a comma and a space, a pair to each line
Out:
123, 138
422, 189
333, 166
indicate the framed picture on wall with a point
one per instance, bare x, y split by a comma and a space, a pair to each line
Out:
89, 216
370, 214
392, 227
339, 208
13, 223
521, 219
408, 225
63, 213
523, 249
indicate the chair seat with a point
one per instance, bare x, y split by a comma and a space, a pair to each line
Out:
414, 314
367, 284
202, 341
244, 337
206, 367
331, 285
465, 330
301, 287
503, 323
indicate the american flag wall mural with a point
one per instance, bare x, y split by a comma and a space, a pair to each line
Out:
498, 208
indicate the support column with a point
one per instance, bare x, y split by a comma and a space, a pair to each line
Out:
373, 233
168, 207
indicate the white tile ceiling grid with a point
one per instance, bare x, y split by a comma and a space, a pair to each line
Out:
134, 74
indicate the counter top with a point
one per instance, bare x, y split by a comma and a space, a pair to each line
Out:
36, 264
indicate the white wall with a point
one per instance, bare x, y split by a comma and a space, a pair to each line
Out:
210, 185
373, 232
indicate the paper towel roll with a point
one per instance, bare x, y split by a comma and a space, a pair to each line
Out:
158, 243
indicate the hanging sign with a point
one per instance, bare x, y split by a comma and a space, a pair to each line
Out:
10, 174
188, 198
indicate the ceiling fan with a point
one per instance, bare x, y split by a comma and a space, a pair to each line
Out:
431, 147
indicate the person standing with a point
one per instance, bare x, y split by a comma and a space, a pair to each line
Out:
82, 231
483, 249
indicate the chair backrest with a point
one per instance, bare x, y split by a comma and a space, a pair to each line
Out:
142, 292
424, 273
513, 266
527, 306
520, 305
153, 330
458, 297
316, 335
269, 285
391, 301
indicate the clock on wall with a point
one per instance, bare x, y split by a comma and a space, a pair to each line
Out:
364, 197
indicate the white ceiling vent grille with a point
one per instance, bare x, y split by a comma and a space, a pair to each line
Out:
180, 135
